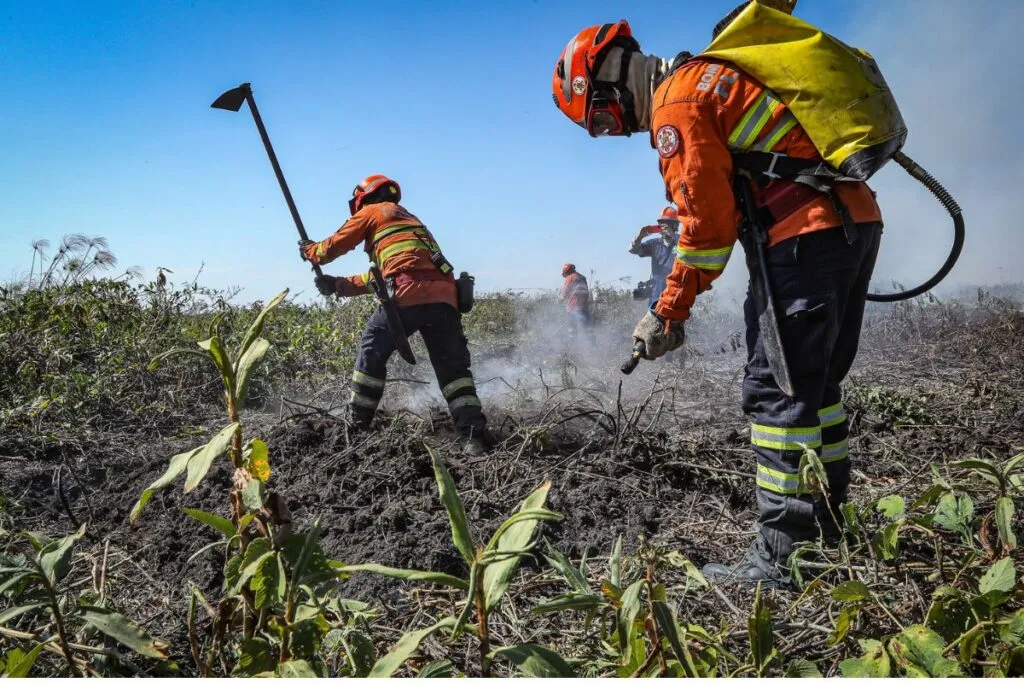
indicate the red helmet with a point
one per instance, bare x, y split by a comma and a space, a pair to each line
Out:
669, 218
568, 269
601, 107
375, 188
670, 212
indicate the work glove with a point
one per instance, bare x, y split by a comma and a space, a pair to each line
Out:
306, 249
658, 335
326, 284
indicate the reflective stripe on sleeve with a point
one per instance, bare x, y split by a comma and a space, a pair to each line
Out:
785, 438
785, 124
754, 121
832, 415
461, 383
707, 259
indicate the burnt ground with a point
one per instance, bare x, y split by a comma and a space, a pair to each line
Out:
669, 463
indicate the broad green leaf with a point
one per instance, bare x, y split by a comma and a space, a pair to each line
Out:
1004, 522
931, 494
1000, 577
309, 561
250, 570
1012, 464
247, 364
535, 661
19, 662
200, 463
406, 646
801, 668
55, 558
18, 610
256, 328
950, 613
851, 591
254, 495
256, 656
17, 576
954, 512
159, 358
874, 664
560, 563
666, 619
174, 469
123, 631
581, 602
215, 347
892, 507
360, 653
514, 538
439, 669
517, 519
982, 467
918, 650
969, 646
886, 541
256, 456
215, 522
461, 535
615, 564
843, 623
629, 610
409, 575
851, 518
694, 576
296, 668
269, 583
760, 632
307, 634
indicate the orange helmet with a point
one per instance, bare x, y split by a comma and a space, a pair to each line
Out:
568, 269
375, 188
600, 107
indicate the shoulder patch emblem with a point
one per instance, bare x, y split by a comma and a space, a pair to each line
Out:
667, 140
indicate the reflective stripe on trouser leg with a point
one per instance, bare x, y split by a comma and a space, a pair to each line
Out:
371, 370
779, 450
366, 391
835, 449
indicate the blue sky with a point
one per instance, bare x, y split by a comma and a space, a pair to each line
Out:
107, 130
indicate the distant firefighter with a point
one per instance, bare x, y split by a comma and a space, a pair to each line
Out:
576, 295
661, 251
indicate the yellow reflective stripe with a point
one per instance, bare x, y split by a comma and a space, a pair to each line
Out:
785, 438
834, 452
754, 121
366, 282
398, 248
462, 402
708, 259
363, 401
832, 415
321, 251
461, 383
367, 380
381, 234
785, 124
779, 482
742, 128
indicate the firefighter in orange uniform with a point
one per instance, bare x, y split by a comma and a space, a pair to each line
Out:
822, 243
423, 289
575, 293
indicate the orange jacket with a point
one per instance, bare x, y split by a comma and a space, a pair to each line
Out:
400, 245
575, 293
700, 112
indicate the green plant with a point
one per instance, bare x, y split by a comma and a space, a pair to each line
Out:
491, 569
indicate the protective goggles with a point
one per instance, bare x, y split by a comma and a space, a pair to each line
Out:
605, 116
356, 195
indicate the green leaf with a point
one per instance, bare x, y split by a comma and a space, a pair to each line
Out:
247, 364
954, 512
439, 669
615, 564
360, 653
629, 609
307, 635
1004, 522
250, 568
200, 463
760, 632
410, 575
560, 563
123, 631
851, 591
406, 646
1000, 577
535, 661
159, 358
256, 456
918, 650
1012, 464
514, 538
694, 576
174, 469
801, 668
55, 558
475, 575
666, 619
256, 328
254, 495
851, 518
19, 662
581, 602
461, 535
843, 623
310, 559
269, 583
893, 507
296, 668
18, 610
874, 664
215, 522
982, 467
256, 656
215, 347
886, 541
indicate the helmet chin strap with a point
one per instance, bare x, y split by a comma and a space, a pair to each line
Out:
643, 74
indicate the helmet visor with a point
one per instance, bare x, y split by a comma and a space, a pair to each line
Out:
604, 117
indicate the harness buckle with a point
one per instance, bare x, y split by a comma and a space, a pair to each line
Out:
771, 167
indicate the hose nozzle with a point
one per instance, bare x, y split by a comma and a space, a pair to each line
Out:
638, 352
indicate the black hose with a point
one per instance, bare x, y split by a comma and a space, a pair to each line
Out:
936, 188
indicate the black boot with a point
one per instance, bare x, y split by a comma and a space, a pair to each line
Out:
764, 561
359, 420
478, 442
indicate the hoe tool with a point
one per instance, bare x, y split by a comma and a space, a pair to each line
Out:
232, 101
